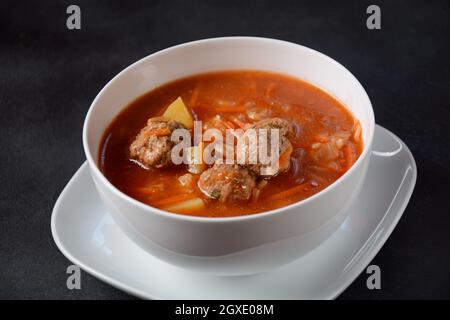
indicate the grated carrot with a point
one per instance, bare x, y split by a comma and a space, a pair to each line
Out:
255, 195
158, 132
290, 192
194, 96
238, 123
229, 124
348, 156
321, 138
283, 160
150, 190
231, 109
325, 168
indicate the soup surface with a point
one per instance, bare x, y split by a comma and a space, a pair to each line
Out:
321, 142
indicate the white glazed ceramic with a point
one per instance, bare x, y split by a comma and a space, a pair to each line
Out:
87, 235
238, 245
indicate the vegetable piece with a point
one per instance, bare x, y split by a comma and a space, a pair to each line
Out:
194, 97
321, 138
238, 122
255, 195
255, 113
230, 109
229, 124
178, 111
290, 192
324, 152
356, 130
285, 157
194, 156
186, 180
150, 190
261, 185
348, 152
329, 167
161, 132
224, 103
186, 206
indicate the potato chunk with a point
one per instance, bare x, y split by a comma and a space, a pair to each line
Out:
186, 206
178, 111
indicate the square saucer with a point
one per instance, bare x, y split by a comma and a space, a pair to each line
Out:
86, 234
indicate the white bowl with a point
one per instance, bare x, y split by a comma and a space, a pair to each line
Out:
235, 245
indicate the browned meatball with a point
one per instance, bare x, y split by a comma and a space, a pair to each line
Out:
227, 182
152, 146
286, 128
286, 131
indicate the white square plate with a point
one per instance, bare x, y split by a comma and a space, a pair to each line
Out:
87, 235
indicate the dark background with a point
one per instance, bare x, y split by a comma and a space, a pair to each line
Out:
50, 75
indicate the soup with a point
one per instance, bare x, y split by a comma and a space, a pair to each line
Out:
317, 141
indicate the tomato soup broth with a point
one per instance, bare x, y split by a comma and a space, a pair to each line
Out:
326, 140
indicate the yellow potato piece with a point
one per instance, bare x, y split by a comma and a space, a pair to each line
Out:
186, 206
178, 111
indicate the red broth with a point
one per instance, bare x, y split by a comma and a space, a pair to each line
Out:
322, 126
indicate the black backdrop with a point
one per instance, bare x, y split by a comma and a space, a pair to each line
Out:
49, 76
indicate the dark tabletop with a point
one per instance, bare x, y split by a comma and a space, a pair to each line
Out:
50, 75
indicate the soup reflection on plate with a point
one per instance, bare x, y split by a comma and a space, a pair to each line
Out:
317, 141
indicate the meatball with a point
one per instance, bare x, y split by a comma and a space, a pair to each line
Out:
152, 146
227, 182
286, 131
286, 128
